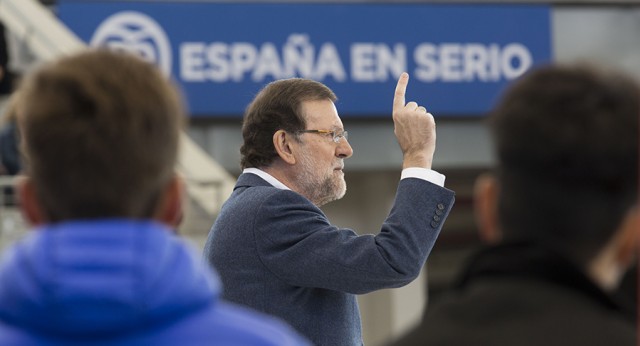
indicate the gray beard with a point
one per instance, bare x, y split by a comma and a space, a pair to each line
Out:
319, 190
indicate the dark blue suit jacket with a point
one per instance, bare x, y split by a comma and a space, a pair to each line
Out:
278, 253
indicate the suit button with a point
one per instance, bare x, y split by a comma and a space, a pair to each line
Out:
440, 206
436, 218
434, 224
439, 212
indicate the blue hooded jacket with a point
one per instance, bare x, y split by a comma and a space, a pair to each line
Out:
120, 282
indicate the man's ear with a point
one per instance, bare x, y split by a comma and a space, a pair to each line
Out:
29, 203
486, 208
282, 142
170, 211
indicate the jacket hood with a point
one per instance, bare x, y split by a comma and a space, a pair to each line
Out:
98, 278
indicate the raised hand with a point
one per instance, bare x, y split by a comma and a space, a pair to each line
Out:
414, 128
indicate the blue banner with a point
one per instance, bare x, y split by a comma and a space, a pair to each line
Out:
459, 57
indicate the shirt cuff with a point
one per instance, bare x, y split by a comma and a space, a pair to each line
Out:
424, 174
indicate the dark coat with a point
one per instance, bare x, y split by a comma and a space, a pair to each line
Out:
278, 253
523, 294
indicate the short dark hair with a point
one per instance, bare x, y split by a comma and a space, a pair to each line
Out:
567, 145
277, 107
100, 135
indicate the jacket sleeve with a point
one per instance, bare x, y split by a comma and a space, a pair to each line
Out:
296, 242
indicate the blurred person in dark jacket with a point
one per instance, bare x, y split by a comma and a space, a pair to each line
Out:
559, 215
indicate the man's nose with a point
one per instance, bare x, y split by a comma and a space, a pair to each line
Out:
344, 150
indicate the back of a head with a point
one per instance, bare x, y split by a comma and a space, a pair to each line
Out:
567, 145
100, 135
277, 106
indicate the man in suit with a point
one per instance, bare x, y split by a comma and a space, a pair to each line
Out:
275, 249
100, 133
559, 216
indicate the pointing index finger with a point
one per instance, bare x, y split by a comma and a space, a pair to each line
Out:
401, 89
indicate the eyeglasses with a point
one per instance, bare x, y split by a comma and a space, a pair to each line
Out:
336, 135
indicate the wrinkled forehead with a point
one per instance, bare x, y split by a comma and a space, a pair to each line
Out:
321, 114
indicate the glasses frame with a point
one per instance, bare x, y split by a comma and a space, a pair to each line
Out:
336, 135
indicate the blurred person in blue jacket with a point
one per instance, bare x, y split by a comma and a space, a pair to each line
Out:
559, 216
100, 133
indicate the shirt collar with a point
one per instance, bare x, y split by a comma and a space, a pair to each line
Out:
266, 176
